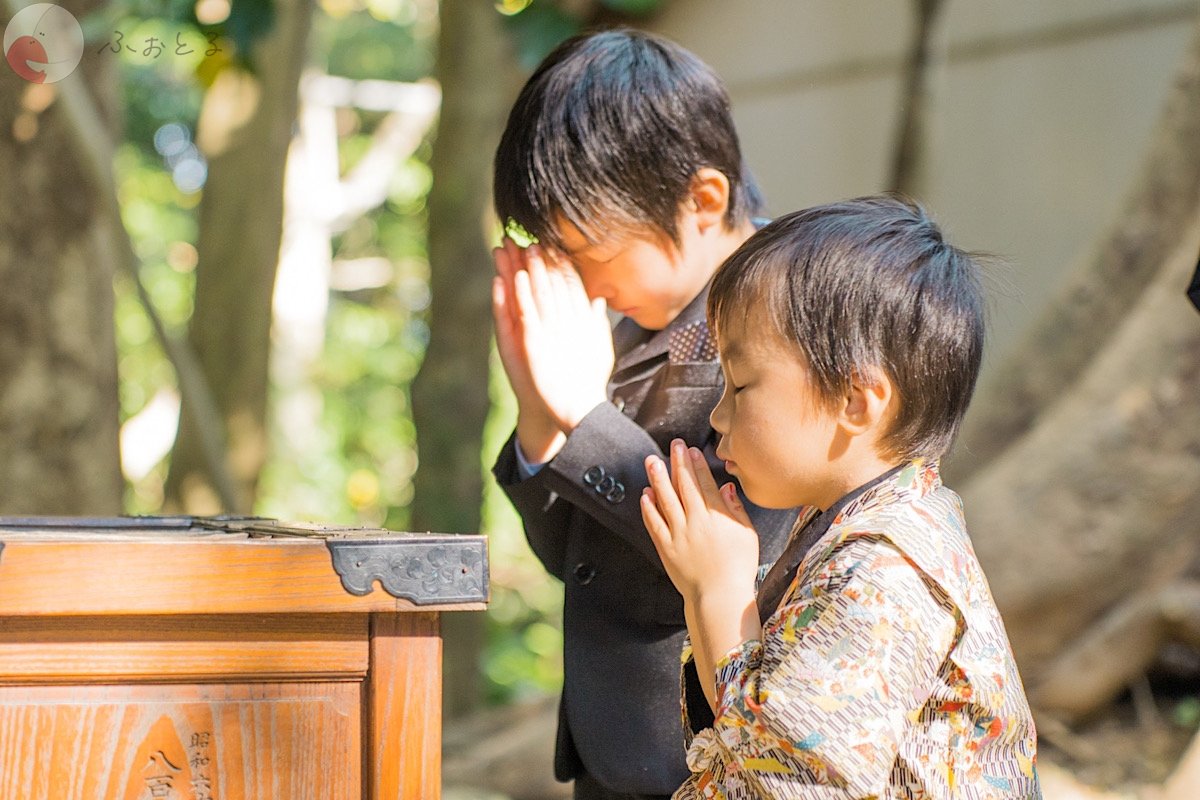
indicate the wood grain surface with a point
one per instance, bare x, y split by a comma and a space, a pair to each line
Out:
294, 741
405, 716
178, 576
135, 667
183, 648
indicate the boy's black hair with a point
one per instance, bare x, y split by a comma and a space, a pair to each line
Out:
864, 283
609, 132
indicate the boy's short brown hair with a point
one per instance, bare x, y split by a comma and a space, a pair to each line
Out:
610, 131
869, 282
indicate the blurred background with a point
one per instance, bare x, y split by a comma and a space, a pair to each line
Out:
244, 268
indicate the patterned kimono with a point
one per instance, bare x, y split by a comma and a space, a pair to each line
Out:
885, 672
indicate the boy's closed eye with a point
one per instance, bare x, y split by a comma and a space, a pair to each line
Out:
733, 382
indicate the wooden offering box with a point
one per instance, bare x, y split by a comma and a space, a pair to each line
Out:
224, 658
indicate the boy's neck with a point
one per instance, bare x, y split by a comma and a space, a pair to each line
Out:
719, 247
853, 471
724, 243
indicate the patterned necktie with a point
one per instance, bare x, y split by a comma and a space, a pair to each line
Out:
692, 342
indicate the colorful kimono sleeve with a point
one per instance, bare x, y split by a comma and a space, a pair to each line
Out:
817, 709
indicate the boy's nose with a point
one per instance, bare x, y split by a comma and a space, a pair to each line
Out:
714, 419
595, 290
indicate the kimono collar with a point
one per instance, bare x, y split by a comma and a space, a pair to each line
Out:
904, 484
901, 484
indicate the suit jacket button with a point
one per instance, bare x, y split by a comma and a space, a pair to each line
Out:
606, 484
584, 573
593, 475
616, 494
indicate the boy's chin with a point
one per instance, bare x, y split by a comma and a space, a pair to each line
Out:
763, 500
647, 318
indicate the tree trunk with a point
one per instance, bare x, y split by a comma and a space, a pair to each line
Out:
58, 365
1077, 325
912, 138
450, 399
245, 129
1100, 500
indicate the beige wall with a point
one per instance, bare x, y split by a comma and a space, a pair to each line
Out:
1043, 114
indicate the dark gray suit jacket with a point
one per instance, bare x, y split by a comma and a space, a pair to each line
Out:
622, 618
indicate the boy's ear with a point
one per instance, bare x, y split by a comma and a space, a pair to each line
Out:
708, 198
870, 405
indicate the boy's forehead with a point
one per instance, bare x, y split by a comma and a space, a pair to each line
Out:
746, 333
573, 240
605, 234
731, 335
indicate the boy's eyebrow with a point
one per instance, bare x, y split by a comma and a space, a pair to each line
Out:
579, 252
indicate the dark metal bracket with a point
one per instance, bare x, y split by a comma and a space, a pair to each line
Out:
424, 570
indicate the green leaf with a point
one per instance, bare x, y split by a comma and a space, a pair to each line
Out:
637, 8
539, 29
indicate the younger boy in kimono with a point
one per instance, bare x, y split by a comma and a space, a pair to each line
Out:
621, 158
872, 662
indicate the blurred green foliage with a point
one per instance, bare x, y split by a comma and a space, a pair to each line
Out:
357, 466
537, 26
1186, 713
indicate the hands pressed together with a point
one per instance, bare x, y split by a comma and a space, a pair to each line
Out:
557, 349
702, 532
555, 344
710, 551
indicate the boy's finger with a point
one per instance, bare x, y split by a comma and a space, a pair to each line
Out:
504, 311
516, 256
500, 306
599, 309
584, 305
514, 262
685, 478
500, 259
575, 295
543, 291
562, 294
665, 498
503, 305
660, 534
508, 260
704, 478
733, 504
526, 307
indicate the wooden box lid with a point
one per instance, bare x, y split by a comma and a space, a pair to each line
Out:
236, 565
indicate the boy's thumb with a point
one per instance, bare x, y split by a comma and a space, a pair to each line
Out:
729, 491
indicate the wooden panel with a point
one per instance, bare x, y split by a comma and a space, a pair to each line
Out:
181, 577
180, 648
404, 707
186, 742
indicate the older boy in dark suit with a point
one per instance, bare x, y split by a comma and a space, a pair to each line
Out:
621, 159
